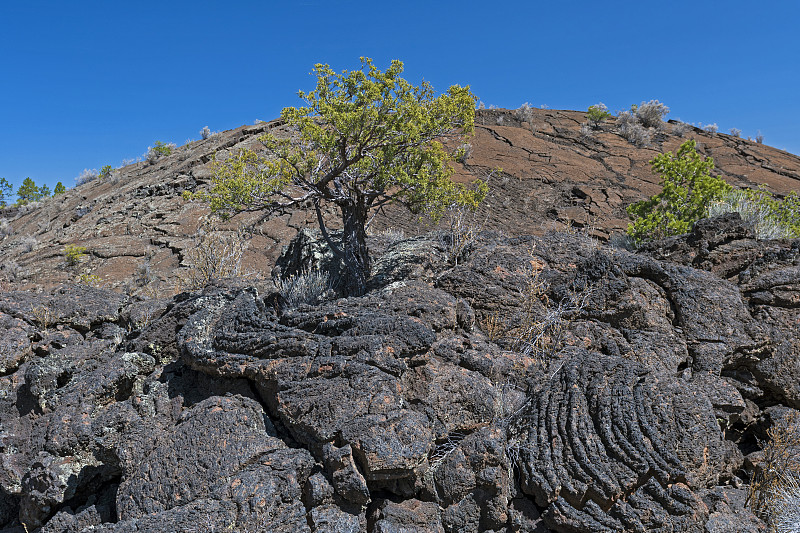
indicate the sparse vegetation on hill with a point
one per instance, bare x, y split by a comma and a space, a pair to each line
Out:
597, 114
29, 192
513, 379
88, 174
690, 192
159, 150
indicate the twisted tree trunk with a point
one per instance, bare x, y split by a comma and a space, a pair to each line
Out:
353, 252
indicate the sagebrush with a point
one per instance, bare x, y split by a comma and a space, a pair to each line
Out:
768, 216
214, 256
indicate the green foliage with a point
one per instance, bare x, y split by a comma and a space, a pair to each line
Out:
365, 138
29, 192
59, 189
74, 254
158, 150
6, 190
105, 172
688, 190
91, 280
597, 114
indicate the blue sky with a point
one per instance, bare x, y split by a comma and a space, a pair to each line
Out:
89, 83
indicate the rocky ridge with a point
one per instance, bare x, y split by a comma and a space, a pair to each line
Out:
138, 230
432, 403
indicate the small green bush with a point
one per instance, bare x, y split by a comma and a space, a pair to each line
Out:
597, 113
74, 254
59, 189
91, 280
158, 150
105, 172
688, 190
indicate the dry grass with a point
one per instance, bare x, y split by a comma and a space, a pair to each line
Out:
43, 316
774, 491
539, 326
307, 288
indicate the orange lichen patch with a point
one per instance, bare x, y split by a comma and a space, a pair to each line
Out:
502, 272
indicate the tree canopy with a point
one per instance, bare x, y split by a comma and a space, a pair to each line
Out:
365, 138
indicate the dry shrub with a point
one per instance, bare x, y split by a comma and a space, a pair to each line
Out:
651, 114
774, 492
538, 329
464, 226
680, 128
632, 130
43, 316
306, 288
214, 257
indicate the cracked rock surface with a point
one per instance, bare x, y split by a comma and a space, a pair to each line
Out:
415, 407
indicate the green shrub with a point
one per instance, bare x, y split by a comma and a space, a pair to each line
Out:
91, 280
688, 190
59, 189
597, 113
105, 172
74, 254
158, 150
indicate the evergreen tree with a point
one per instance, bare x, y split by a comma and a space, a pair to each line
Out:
28, 192
6, 191
365, 138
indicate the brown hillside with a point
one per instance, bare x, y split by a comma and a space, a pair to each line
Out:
552, 176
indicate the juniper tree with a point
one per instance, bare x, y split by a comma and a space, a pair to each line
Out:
363, 139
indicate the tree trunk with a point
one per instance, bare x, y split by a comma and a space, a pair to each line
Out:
354, 247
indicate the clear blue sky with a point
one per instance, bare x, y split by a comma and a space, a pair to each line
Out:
89, 83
